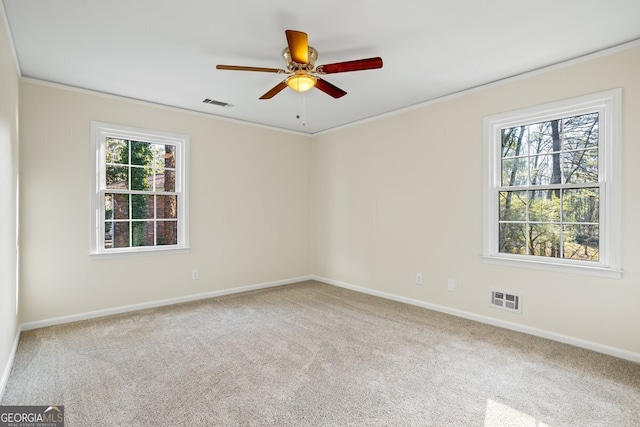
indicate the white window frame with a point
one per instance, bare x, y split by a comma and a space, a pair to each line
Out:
608, 105
99, 132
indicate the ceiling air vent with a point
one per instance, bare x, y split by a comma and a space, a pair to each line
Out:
218, 103
505, 301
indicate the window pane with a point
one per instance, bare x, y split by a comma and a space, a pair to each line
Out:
513, 205
169, 180
108, 206
117, 151
544, 240
121, 235
167, 207
141, 154
581, 242
167, 232
512, 239
141, 206
512, 141
158, 153
120, 206
580, 166
170, 156
155, 180
142, 233
117, 177
580, 132
538, 139
162, 180
514, 172
545, 169
139, 180
108, 235
581, 205
544, 205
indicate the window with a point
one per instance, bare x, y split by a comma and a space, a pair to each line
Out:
139, 191
552, 186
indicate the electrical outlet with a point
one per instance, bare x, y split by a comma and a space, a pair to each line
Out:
418, 278
195, 274
451, 285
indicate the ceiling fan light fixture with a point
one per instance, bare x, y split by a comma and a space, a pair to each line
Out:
300, 59
301, 82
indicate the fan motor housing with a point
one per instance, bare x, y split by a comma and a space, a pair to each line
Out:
293, 66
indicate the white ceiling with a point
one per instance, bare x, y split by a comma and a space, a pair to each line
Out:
165, 51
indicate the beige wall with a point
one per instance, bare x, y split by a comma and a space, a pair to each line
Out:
8, 199
250, 199
403, 194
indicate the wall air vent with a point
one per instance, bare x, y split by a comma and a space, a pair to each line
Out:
218, 103
505, 301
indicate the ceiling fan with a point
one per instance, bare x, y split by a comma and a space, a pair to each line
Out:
300, 59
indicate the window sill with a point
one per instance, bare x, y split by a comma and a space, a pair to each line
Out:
137, 253
584, 270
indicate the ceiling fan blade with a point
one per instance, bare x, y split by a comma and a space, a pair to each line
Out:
298, 46
357, 65
275, 90
242, 68
329, 89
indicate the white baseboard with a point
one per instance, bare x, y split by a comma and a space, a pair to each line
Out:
152, 304
7, 369
577, 342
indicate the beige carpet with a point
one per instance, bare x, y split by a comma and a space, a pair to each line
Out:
314, 354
